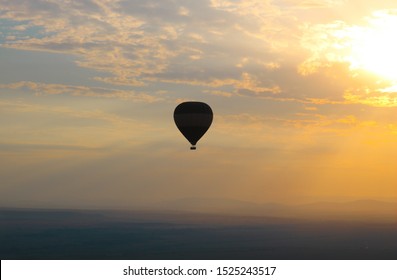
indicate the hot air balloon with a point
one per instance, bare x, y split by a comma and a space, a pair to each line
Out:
193, 120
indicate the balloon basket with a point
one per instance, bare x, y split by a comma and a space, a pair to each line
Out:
192, 148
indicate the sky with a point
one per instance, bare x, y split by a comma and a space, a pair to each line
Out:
304, 95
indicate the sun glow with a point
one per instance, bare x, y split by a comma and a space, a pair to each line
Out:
374, 47
369, 50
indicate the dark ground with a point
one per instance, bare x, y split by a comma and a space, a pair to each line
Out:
73, 234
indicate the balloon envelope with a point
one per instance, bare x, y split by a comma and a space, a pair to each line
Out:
193, 120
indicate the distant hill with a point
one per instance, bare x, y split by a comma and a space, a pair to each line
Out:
224, 206
356, 210
216, 209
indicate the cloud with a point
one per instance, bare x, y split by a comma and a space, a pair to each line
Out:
136, 43
245, 48
104, 38
54, 89
362, 55
219, 93
310, 4
24, 107
246, 85
372, 97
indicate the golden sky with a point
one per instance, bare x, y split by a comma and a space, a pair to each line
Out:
304, 95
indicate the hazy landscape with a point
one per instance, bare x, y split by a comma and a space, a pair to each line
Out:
183, 233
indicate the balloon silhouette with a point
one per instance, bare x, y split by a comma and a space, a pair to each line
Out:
193, 120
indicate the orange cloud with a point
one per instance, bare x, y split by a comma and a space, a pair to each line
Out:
43, 88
